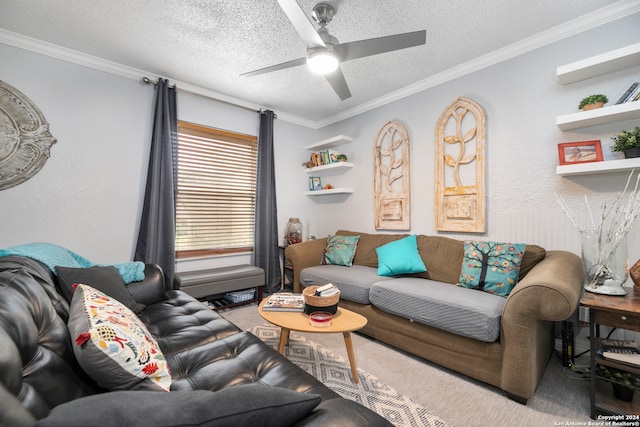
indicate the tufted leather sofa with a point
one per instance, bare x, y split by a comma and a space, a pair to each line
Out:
38, 371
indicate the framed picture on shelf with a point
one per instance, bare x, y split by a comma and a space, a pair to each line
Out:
571, 153
315, 183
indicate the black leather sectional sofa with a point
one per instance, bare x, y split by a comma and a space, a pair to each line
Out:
220, 374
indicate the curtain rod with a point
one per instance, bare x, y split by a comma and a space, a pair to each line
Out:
146, 80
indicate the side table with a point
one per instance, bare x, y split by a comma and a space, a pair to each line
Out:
616, 311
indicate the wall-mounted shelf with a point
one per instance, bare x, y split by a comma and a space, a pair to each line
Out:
607, 62
593, 168
329, 143
329, 167
329, 192
599, 116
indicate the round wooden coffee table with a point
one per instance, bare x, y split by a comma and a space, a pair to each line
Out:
344, 321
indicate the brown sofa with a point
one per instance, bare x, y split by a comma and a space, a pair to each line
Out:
548, 291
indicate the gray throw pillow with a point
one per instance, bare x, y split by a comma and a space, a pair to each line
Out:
105, 279
244, 405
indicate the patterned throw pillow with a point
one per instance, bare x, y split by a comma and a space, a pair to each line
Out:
112, 344
400, 257
340, 250
491, 266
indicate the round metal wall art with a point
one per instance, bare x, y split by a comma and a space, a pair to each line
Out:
25, 140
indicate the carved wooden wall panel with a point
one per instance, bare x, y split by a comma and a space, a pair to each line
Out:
460, 168
391, 178
25, 139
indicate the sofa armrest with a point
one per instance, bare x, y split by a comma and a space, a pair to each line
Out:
303, 255
549, 292
150, 290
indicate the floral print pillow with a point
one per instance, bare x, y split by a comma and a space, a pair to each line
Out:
340, 250
112, 345
492, 267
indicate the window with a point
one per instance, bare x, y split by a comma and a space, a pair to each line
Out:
216, 191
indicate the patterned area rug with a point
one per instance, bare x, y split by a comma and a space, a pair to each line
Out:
334, 372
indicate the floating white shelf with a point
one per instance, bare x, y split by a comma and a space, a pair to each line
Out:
329, 143
599, 116
593, 168
608, 62
329, 192
330, 167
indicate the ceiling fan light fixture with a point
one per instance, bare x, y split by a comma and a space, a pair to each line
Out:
322, 61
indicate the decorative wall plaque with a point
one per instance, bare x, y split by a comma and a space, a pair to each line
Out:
25, 140
460, 168
391, 178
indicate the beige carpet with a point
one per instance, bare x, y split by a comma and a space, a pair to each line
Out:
335, 372
561, 397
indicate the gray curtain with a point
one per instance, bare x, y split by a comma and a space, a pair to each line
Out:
157, 235
266, 252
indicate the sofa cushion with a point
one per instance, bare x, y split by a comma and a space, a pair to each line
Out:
354, 282
441, 255
400, 257
491, 266
112, 345
105, 279
452, 308
244, 405
366, 251
340, 250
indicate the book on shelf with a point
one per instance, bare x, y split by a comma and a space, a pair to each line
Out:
620, 350
630, 94
284, 301
325, 157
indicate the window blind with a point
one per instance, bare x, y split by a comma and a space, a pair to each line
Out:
215, 198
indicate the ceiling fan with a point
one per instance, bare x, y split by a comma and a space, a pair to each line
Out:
324, 52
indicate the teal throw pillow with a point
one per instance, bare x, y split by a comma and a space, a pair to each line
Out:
492, 267
400, 257
340, 250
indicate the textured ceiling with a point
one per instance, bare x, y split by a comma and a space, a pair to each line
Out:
209, 43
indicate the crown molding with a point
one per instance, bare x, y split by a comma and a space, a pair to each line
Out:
586, 22
54, 51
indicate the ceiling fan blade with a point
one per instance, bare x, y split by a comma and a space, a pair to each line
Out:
368, 47
303, 26
284, 65
339, 84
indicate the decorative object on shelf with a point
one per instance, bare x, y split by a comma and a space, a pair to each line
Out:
391, 178
580, 152
604, 242
315, 183
328, 187
592, 102
25, 140
342, 157
294, 231
460, 144
627, 141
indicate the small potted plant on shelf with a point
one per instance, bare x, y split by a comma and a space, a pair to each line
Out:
593, 101
342, 157
627, 141
623, 383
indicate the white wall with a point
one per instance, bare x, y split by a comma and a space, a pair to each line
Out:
521, 99
89, 194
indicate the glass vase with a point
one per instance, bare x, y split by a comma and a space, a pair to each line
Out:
294, 231
605, 262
